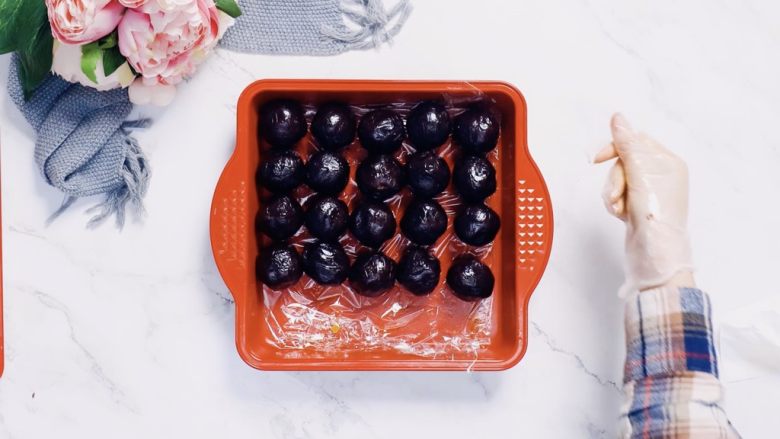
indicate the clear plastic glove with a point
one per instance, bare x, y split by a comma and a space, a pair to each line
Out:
648, 189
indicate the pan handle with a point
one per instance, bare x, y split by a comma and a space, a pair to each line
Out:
229, 224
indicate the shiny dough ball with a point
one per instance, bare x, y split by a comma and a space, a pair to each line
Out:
372, 274
280, 217
327, 173
282, 122
477, 129
474, 178
380, 177
327, 218
428, 125
281, 171
427, 174
325, 262
424, 221
279, 266
418, 271
470, 279
334, 125
381, 131
477, 225
372, 223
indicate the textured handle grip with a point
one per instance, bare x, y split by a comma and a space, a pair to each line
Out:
229, 228
534, 224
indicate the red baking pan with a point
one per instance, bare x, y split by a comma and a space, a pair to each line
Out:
311, 328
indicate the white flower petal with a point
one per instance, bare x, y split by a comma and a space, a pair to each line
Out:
67, 64
142, 92
163, 95
139, 93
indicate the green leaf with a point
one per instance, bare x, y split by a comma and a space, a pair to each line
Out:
90, 55
112, 60
33, 41
229, 7
9, 11
36, 60
24, 28
109, 41
21, 21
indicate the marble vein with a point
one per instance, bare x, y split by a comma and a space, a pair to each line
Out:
337, 408
595, 431
49, 302
551, 343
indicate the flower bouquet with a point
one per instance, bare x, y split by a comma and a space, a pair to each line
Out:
147, 45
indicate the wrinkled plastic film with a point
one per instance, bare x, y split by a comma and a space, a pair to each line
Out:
331, 321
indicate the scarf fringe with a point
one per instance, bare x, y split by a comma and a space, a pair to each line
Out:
135, 173
375, 24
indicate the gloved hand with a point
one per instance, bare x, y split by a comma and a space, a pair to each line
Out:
648, 189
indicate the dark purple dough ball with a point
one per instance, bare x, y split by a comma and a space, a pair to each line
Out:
372, 274
281, 171
325, 262
428, 125
282, 122
477, 225
424, 221
327, 217
334, 125
470, 279
476, 130
474, 178
280, 217
419, 271
379, 177
372, 223
427, 174
279, 266
381, 131
327, 173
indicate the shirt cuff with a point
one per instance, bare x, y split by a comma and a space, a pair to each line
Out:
669, 332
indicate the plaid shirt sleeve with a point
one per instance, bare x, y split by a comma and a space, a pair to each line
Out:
671, 370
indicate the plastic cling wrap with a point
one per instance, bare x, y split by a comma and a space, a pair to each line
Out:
331, 321
310, 327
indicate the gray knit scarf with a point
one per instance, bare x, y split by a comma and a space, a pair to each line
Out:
83, 143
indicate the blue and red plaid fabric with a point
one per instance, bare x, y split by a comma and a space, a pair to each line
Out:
671, 370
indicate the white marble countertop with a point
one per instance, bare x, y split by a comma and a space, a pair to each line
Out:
131, 334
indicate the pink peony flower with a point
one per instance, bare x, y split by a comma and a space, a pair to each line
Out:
166, 45
133, 3
83, 21
170, 5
